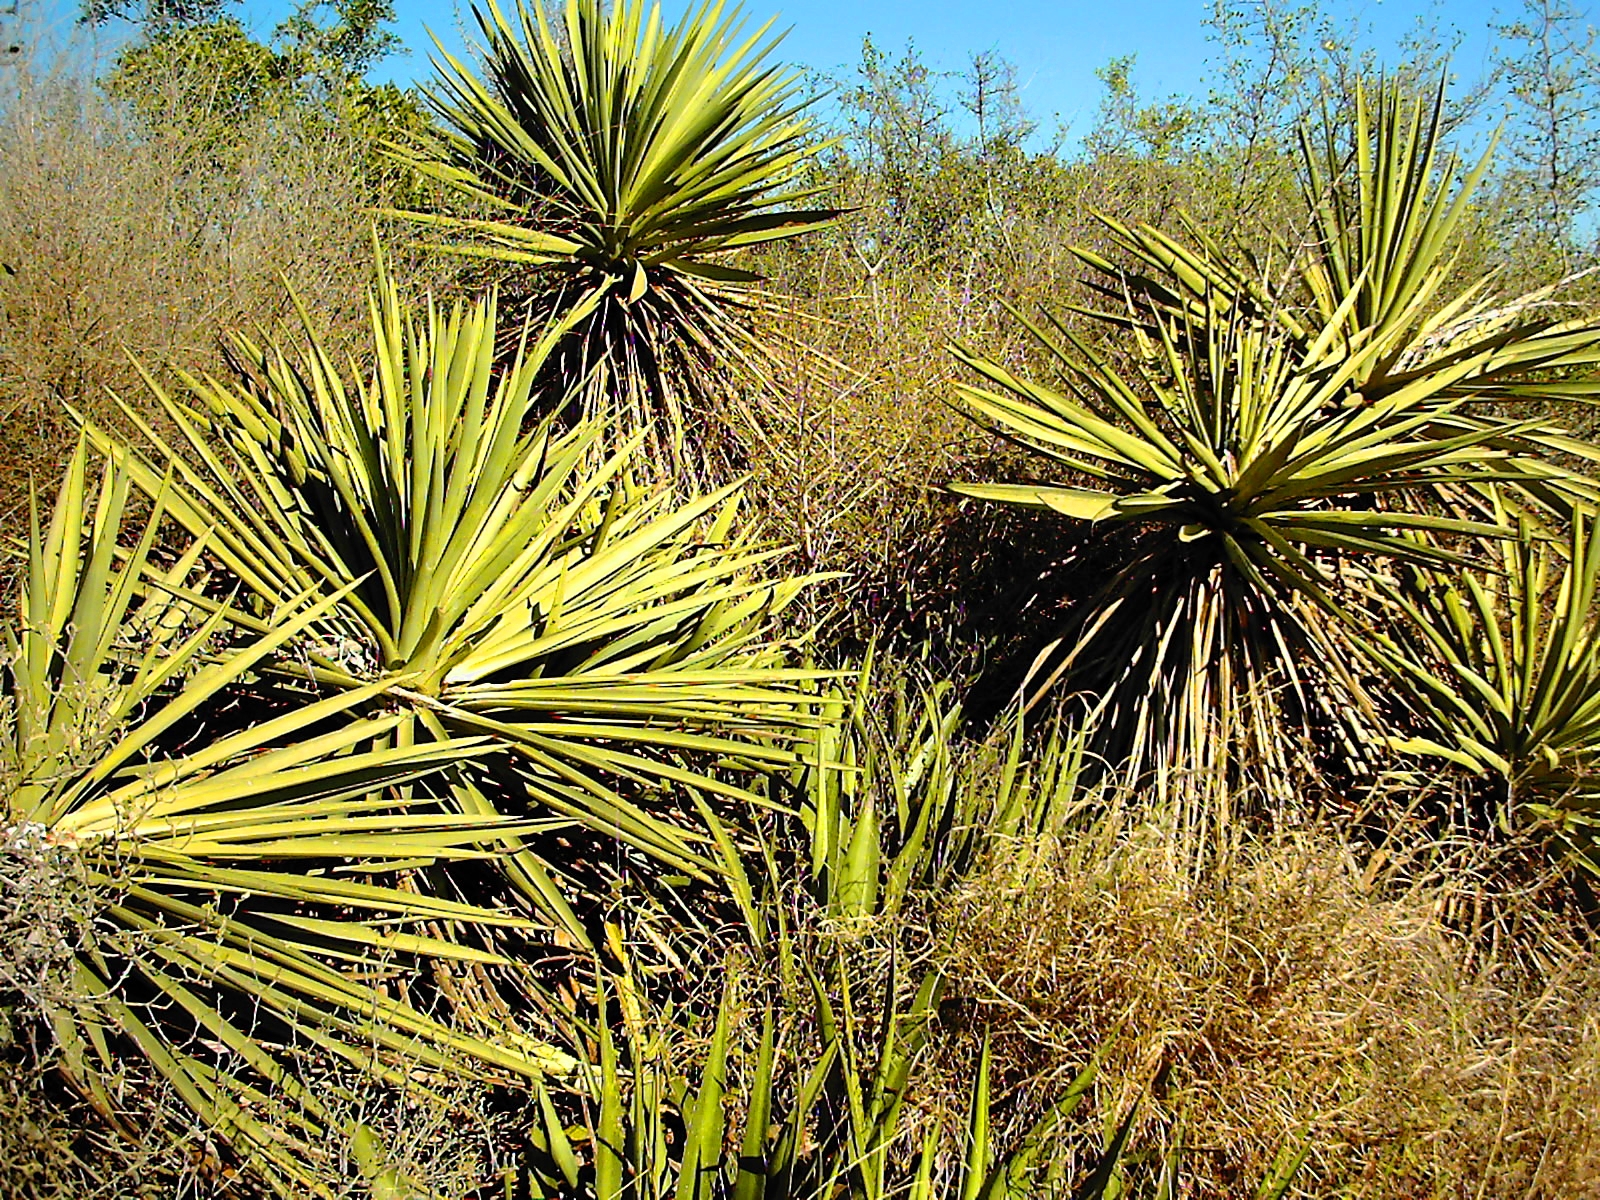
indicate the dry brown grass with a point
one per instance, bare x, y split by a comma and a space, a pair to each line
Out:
118, 239
1295, 1000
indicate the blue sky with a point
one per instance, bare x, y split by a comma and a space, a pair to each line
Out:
1055, 46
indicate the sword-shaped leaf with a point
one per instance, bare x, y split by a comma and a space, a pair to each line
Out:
626, 160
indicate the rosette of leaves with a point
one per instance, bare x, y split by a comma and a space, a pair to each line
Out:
1499, 670
893, 807
621, 164
246, 846
1251, 473
1258, 441
498, 578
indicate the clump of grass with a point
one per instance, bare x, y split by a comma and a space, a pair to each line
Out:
1295, 1001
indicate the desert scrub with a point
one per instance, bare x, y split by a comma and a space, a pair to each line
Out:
1293, 998
124, 237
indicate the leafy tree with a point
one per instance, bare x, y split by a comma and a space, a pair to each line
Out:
195, 65
1267, 75
895, 138
1282, 63
1163, 131
155, 17
923, 191
204, 79
1549, 63
992, 97
333, 43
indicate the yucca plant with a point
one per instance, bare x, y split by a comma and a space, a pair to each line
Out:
1499, 670
892, 804
381, 645
500, 579
827, 1123
830, 1113
1259, 440
1250, 476
622, 162
246, 845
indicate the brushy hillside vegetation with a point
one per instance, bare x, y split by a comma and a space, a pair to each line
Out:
601, 629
